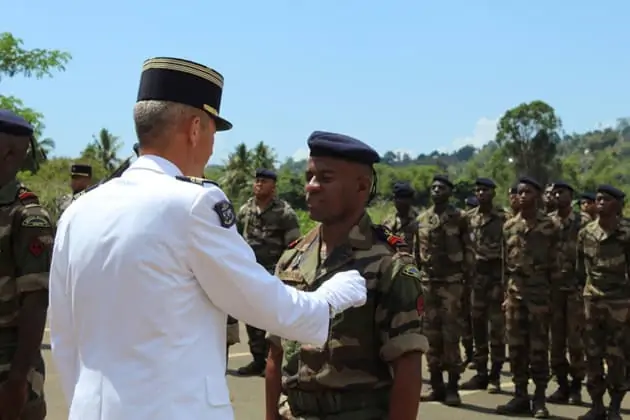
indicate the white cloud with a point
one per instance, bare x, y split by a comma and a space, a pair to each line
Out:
484, 131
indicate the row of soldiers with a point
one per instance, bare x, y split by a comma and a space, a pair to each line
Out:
492, 275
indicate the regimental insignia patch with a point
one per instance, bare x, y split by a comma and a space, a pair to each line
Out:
35, 222
225, 211
411, 270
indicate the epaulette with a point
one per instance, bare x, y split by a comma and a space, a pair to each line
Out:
294, 243
386, 235
199, 181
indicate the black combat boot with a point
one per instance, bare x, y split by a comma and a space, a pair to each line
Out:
479, 381
452, 398
494, 379
575, 392
539, 406
517, 405
438, 390
255, 368
561, 395
616, 398
597, 411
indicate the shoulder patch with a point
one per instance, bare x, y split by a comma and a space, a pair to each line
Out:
410, 270
35, 221
194, 180
294, 243
225, 211
387, 236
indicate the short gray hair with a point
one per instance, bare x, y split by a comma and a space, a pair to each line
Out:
154, 118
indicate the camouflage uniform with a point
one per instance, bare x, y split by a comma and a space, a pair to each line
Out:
26, 237
567, 318
349, 378
486, 232
64, 202
603, 260
531, 268
268, 233
444, 255
403, 226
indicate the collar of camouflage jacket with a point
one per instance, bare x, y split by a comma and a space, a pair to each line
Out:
361, 235
9, 192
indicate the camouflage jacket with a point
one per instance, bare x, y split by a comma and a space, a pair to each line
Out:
603, 261
531, 262
404, 226
509, 213
442, 246
364, 340
486, 233
569, 228
26, 238
64, 202
269, 231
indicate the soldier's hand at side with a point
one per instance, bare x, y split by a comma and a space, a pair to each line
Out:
344, 290
13, 396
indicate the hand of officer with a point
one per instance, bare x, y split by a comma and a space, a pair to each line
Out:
344, 290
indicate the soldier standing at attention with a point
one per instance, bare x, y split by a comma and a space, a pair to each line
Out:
549, 200
603, 257
402, 222
350, 378
486, 232
444, 255
514, 206
26, 237
268, 225
80, 179
567, 318
588, 207
531, 268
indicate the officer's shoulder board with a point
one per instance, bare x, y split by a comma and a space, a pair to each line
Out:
194, 180
386, 235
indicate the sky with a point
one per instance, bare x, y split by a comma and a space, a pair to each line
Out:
408, 76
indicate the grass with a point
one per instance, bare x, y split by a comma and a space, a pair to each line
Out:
377, 212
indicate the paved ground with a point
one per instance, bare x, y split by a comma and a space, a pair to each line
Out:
248, 395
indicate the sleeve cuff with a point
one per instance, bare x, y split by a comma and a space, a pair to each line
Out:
402, 344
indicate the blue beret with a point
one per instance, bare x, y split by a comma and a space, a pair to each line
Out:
612, 191
562, 184
443, 179
325, 144
472, 201
530, 181
403, 190
12, 123
587, 196
81, 170
266, 174
485, 182
513, 189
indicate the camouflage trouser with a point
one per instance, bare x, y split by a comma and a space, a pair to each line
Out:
567, 330
368, 405
442, 325
35, 408
527, 325
258, 345
605, 329
487, 297
466, 317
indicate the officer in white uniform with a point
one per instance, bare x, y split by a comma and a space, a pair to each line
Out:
146, 266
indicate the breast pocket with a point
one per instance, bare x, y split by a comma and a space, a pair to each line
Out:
217, 392
453, 241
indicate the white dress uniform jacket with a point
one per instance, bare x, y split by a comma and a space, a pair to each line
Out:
142, 277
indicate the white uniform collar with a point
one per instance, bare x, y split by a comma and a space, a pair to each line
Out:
156, 164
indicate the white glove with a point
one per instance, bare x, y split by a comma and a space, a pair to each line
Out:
343, 290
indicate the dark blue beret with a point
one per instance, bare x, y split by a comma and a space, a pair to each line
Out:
403, 190
562, 184
266, 174
81, 170
612, 191
485, 182
12, 123
530, 181
587, 196
513, 189
443, 179
325, 144
472, 201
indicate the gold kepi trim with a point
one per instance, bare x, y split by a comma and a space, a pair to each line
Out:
210, 110
184, 67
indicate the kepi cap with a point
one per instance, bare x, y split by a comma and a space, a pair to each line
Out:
81, 170
184, 82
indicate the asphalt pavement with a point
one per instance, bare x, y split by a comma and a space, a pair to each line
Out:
248, 395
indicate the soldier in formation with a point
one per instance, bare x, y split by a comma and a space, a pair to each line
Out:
26, 237
269, 225
350, 377
80, 179
402, 221
444, 255
588, 208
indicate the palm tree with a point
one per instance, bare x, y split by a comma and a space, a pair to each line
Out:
238, 172
263, 156
106, 147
